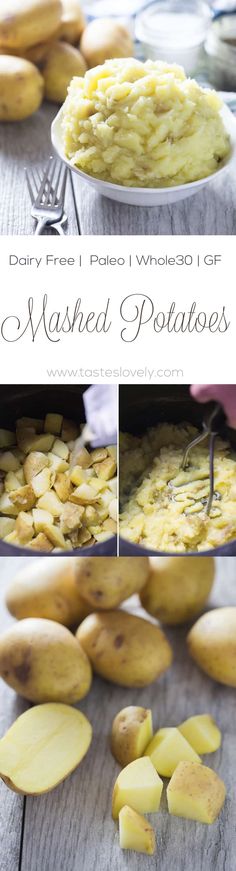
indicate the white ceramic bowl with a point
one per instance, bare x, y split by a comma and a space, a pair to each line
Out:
146, 196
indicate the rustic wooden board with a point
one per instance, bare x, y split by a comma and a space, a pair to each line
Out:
211, 212
71, 828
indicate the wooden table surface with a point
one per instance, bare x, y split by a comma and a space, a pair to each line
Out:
211, 212
71, 828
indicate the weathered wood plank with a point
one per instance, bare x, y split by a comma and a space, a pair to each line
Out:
11, 805
211, 212
72, 828
26, 144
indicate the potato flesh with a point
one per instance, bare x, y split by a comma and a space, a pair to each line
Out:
195, 792
135, 832
131, 733
38, 474
202, 733
43, 746
167, 748
139, 786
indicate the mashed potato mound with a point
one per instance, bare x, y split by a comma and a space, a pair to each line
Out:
143, 125
163, 507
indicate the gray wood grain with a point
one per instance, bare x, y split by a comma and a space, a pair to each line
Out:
71, 828
211, 212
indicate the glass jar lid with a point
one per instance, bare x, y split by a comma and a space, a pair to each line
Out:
182, 23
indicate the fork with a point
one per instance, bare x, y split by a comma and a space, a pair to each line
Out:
47, 196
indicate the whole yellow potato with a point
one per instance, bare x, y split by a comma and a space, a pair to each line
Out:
43, 662
72, 21
104, 582
212, 644
24, 23
62, 63
177, 587
131, 733
21, 88
104, 38
124, 649
47, 588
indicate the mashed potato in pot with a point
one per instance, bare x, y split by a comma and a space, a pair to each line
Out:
162, 506
143, 125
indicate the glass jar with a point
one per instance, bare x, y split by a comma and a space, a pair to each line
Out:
174, 31
220, 49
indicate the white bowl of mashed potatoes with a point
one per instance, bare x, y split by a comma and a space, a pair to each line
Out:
143, 133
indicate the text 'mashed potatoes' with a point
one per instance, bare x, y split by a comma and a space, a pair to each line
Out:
42, 747
177, 587
125, 649
105, 38
104, 582
212, 643
24, 23
21, 88
62, 62
131, 733
46, 588
43, 662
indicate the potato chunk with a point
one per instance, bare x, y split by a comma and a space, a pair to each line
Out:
131, 733
136, 833
54, 535
50, 502
41, 542
49, 741
82, 458
6, 506
28, 442
24, 527
7, 438
71, 517
63, 486
138, 785
53, 423
34, 463
83, 495
7, 524
69, 430
98, 455
60, 449
42, 482
41, 518
106, 469
202, 733
24, 498
195, 792
167, 748
8, 462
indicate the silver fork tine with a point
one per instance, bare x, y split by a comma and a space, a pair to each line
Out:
30, 189
63, 186
38, 201
49, 184
56, 184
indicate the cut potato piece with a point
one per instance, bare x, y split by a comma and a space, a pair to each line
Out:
50, 502
139, 786
113, 510
136, 833
34, 463
11, 482
80, 476
60, 449
42, 747
98, 455
24, 498
54, 535
24, 527
98, 484
31, 442
7, 438
33, 423
69, 430
63, 486
202, 733
41, 543
195, 792
41, 518
82, 457
80, 537
131, 733
42, 482
53, 423
109, 525
167, 748
6, 506
106, 469
7, 524
71, 517
8, 462
57, 464
112, 451
83, 495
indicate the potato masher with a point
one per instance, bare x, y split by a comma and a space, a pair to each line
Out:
212, 424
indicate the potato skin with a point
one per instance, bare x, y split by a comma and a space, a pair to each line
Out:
125, 728
124, 649
43, 662
104, 582
46, 588
21, 88
28, 22
62, 62
212, 644
104, 38
177, 587
73, 21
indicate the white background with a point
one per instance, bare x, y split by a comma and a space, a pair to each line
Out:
199, 358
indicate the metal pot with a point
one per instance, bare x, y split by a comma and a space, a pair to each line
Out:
145, 406
36, 401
